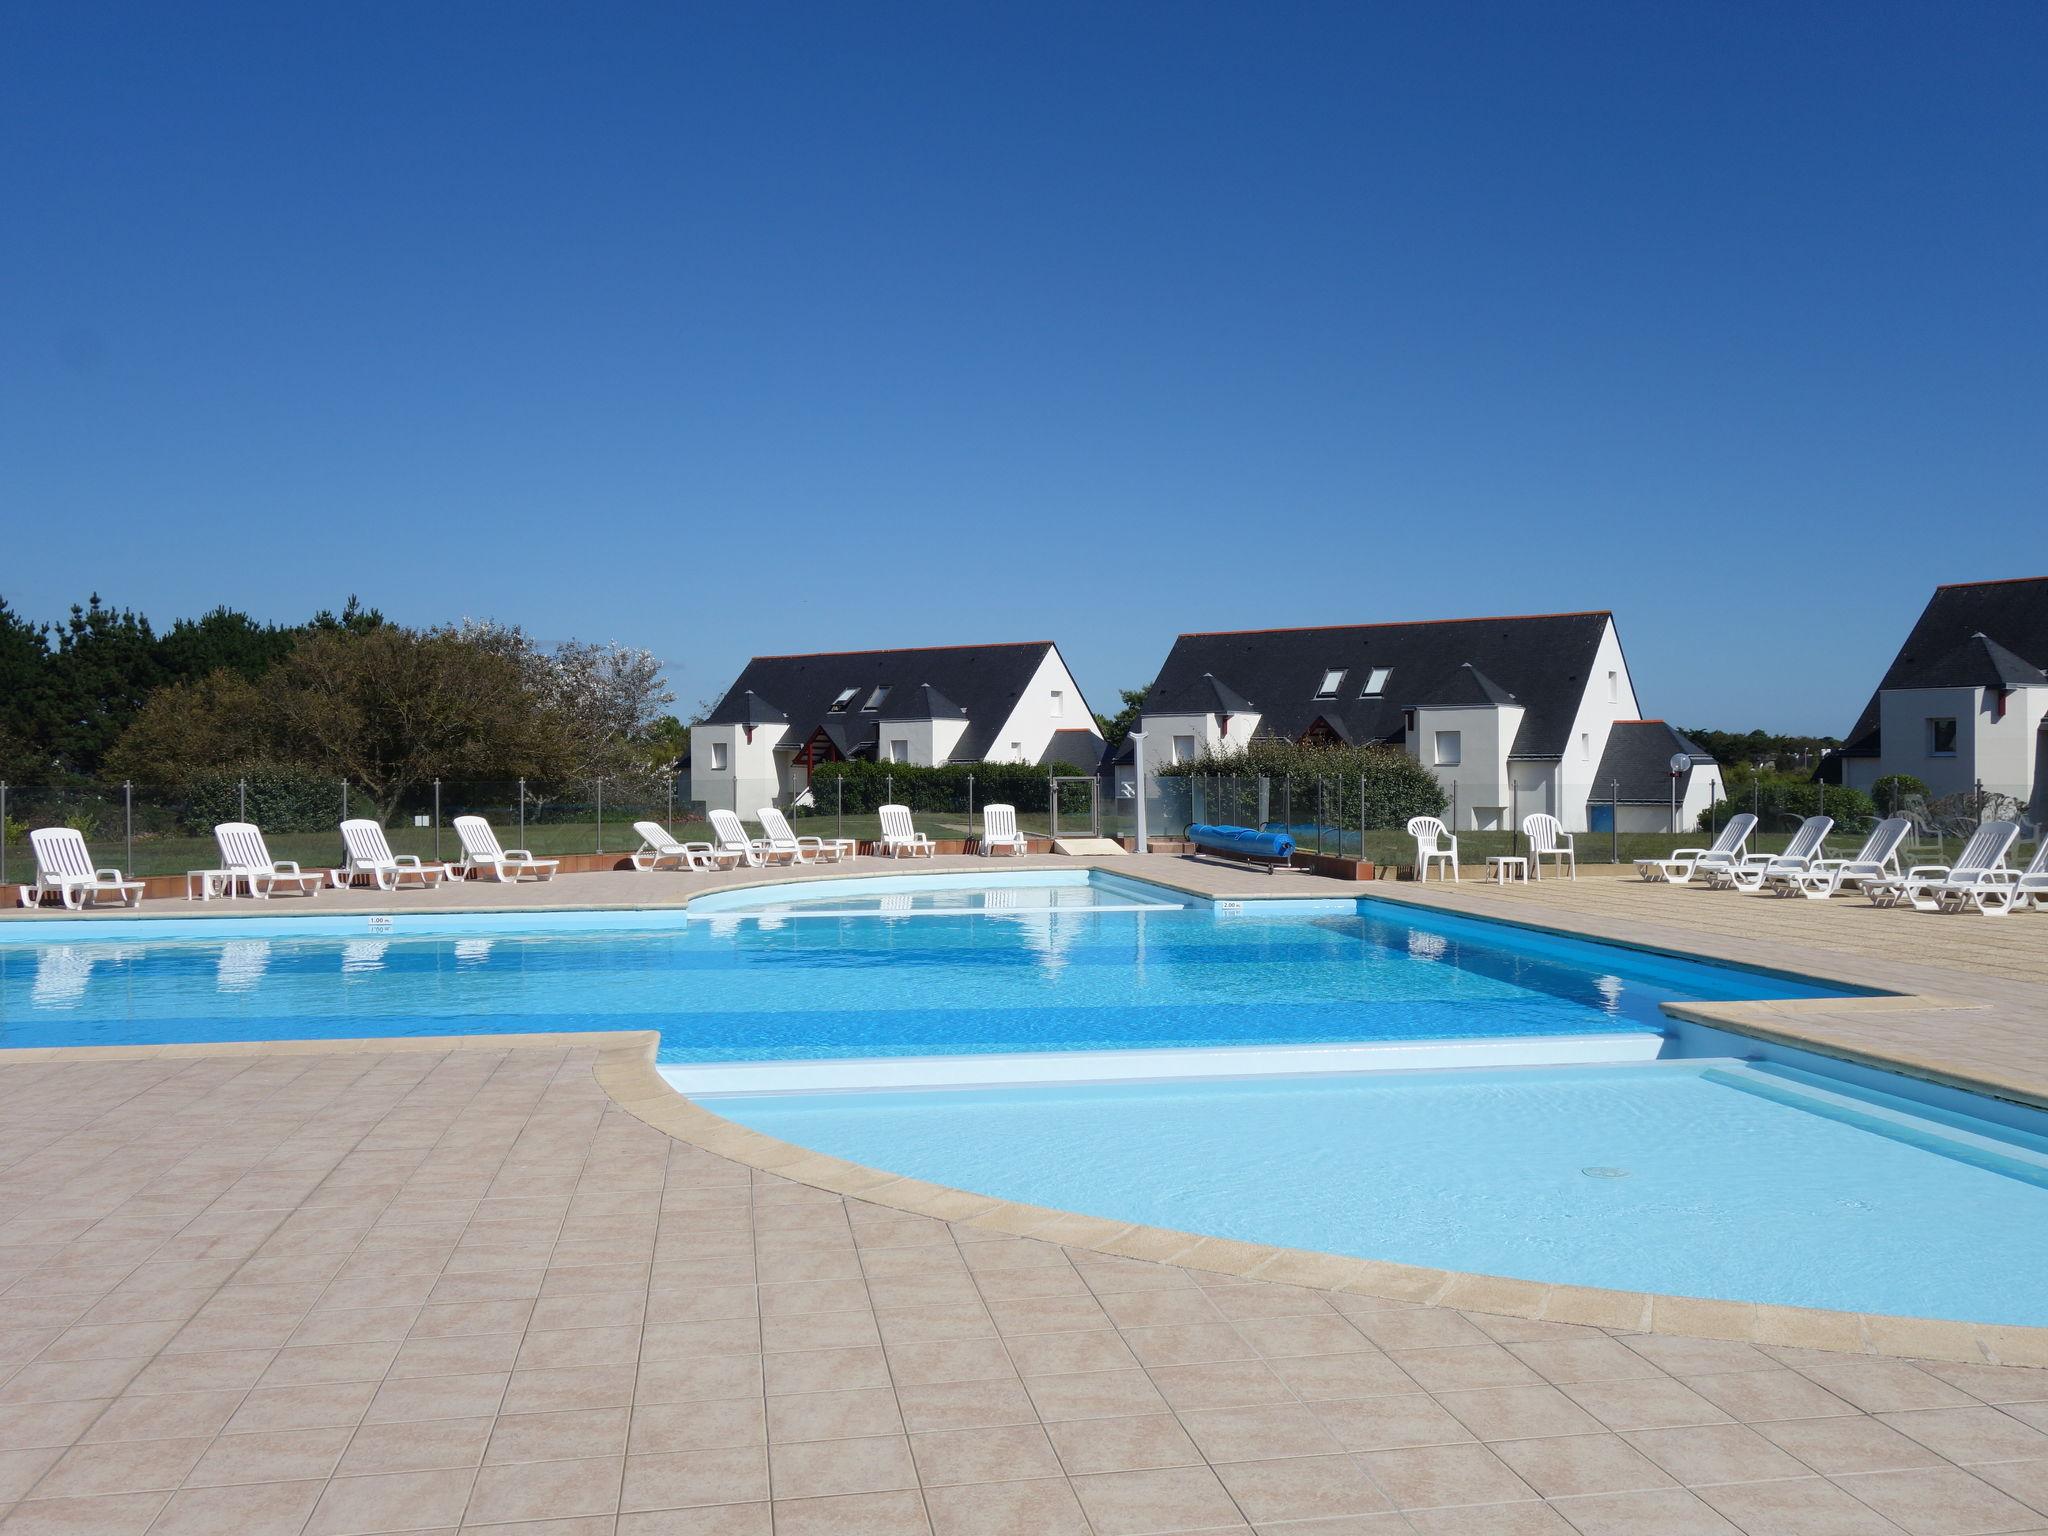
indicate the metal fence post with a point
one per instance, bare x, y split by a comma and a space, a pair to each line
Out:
671, 822
242, 799
3, 831
970, 802
344, 799
522, 813
1515, 818
1614, 815
839, 806
1454, 805
889, 787
437, 819
1361, 817
128, 823
600, 815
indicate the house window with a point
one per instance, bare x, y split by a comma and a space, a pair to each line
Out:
1375, 682
1183, 749
1017, 750
876, 699
718, 757
1450, 748
1059, 703
1586, 744
899, 750
840, 704
1332, 681
1614, 687
1941, 738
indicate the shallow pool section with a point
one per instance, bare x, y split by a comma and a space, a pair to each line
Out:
758, 986
1006, 892
1699, 1178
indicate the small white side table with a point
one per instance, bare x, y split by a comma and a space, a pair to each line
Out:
209, 883
1503, 867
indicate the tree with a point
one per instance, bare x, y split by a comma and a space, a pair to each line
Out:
223, 638
1116, 727
219, 722
103, 670
609, 697
24, 655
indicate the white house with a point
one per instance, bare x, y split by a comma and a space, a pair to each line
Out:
783, 715
1513, 715
1964, 704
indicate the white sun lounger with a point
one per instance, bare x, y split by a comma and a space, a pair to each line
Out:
999, 830
2028, 888
900, 837
481, 854
1808, 844
778, 838
369, 853
1549, 840
730, 834
1952, 887
1433, 845
1877, 859
658, 846
245, 860
64, 868
1687, 863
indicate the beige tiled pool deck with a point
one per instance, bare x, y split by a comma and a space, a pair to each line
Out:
333, 1288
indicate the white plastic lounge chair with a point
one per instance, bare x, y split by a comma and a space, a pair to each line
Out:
899, 837
245, 860
2028, 888
1687, 863
777, 838
1950, 888
731, 835
657, 847
1433, 845
482, 855
1877, 859
369, 853
64, 868
999, 830
1548, 839
1808, 845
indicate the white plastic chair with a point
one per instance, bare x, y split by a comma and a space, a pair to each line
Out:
778, 838
481, 854
245, 860
658, 847
900, 837
731, 838
1979, 868
1808, 845
369, 853
999, 830
1877, 859
1433, 845
1548, 839
1686, 863
2029, 888
64, 868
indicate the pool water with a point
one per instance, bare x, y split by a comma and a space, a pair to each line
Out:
757, 986
1714, 1179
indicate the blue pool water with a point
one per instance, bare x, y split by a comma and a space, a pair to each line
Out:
735, 986
1693, 1178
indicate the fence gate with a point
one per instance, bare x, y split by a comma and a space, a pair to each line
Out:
1076, 806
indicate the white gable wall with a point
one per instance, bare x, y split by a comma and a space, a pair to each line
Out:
1610, 695
1479, 782
752, 775
1029, 729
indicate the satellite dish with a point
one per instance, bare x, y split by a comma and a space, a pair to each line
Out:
1680, 761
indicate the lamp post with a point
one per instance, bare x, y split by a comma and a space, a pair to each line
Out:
1681, 764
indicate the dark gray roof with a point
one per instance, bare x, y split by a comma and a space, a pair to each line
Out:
1219, 698
2011, 615
1544, 661
1639, 754
1465, 687
1073, 749
754, 710
983, 681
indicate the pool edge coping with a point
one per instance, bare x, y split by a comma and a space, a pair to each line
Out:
625, 1068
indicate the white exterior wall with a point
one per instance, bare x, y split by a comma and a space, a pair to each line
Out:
1599, 707
1029, 730
1479, 782
1903, 714
752, 776
927, 743
1207, 730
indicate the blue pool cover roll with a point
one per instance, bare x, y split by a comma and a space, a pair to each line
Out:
1243, 841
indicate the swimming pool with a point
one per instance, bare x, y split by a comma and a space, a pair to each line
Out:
1052, 1006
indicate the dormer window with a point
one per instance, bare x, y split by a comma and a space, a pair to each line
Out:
877, 698
1332, 681
839, 705
1375, 682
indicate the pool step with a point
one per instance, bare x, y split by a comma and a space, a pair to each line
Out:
708, 1079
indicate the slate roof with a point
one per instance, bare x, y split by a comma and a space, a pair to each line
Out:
1938, 653
1545, 661
1465, 687
1074, 748
983, 682
1639, 755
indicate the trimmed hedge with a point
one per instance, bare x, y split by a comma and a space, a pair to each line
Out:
870, 785
280, 800
1369, 786
1781, 802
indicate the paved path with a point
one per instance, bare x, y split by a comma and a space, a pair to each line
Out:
371, 1291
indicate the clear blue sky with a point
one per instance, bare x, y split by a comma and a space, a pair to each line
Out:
814, 326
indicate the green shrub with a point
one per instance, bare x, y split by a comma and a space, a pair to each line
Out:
279, 800
1893, 790
1385, 783
1780, 801
868, 785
